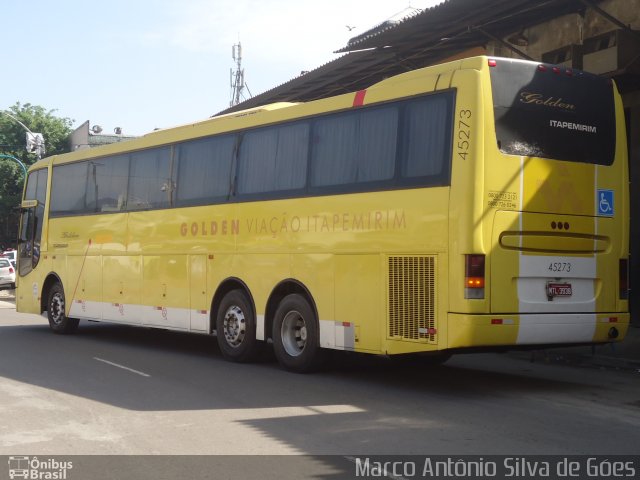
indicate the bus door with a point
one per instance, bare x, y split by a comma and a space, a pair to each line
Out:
31, 222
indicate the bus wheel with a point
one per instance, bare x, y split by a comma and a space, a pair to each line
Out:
296, 335
58, 320
236, 328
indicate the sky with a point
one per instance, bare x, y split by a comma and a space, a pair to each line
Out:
146, 64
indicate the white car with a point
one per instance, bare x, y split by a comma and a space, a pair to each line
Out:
11, 256
7, 274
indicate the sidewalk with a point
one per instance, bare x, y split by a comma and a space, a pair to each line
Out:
7, 299
623, 355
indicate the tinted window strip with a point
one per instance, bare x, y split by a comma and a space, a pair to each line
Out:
397, 181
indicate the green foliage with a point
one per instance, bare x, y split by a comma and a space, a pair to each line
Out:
38, 119
13, 142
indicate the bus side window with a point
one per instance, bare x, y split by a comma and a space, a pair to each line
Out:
273, 159
69, 188
204, 170
107, 186
427, 137
354, 147
150, 179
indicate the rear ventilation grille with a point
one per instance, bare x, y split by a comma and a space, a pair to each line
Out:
411, 300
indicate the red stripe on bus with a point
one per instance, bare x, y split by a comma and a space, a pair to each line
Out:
358, 100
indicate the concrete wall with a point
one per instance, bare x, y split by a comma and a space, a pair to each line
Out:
82, 138
79, 138
572, 29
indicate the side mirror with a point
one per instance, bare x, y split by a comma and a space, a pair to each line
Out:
29, 204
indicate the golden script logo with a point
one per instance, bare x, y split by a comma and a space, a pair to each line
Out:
539, 99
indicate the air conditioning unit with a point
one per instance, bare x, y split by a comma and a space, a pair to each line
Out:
610, 52
569, 56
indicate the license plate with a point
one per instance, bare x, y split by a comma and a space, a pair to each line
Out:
558, 290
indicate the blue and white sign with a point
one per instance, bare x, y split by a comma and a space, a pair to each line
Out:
605, 203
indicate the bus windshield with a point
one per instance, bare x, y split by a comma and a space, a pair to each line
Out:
553, 112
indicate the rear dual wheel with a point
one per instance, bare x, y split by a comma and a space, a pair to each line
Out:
296, 335
236, 328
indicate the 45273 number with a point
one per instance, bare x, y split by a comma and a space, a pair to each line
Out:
560, 267
464, 133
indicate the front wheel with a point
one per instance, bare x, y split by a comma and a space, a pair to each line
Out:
296, 335
58, 320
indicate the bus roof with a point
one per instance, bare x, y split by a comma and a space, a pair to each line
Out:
238, 120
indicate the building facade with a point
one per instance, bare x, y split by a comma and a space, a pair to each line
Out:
85, 137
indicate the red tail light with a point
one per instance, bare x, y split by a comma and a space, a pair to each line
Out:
11, 270
624, 279
474, 276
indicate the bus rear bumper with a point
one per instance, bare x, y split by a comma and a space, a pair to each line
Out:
464, 331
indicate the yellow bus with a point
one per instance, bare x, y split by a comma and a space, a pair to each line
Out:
477, 204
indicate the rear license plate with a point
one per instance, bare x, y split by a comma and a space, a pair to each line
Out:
558, 290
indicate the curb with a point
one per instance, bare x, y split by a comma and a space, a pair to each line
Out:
587, 360
624, 355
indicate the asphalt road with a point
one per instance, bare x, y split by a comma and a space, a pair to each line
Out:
113, 389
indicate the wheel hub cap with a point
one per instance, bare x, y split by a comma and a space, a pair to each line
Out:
294, 333
57, 308
234, 326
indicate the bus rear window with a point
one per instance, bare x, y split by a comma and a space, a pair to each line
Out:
553, 112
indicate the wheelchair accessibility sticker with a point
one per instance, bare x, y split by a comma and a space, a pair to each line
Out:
605, 203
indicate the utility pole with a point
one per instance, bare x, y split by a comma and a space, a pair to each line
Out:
22, 165
237, 77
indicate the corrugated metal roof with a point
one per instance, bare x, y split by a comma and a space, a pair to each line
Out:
457, 17
430, 36
391, 22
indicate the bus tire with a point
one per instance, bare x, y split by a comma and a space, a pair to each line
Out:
56, 305
296, 335
236, 328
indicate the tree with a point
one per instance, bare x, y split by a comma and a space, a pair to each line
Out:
13, 142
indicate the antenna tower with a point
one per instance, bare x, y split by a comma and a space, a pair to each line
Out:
238, 85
